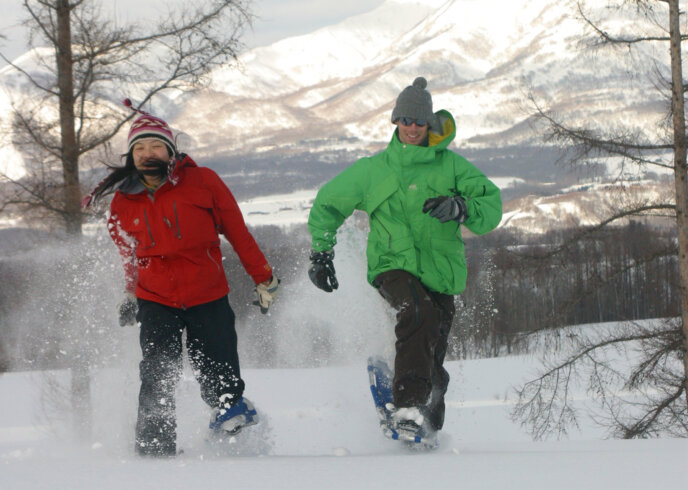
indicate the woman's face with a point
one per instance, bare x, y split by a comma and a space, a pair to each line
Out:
149, 149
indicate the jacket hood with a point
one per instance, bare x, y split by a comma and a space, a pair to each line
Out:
442, 136
133, 184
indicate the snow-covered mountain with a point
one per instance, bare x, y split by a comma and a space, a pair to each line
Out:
296, 112
584, 205
335, 88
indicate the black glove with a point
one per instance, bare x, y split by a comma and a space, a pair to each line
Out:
322, 271
447, 208
128, 309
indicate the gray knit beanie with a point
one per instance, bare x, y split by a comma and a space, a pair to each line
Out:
415, 102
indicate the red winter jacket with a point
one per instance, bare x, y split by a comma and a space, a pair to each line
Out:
169, 240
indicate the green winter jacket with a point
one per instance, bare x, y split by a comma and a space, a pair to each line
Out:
392, 187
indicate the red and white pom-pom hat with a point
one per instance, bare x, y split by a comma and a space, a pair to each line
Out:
148, 126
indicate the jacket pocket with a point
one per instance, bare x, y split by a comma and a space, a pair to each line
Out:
444, 266
394, 253
139, 227
440, 186
380, 193
217, 263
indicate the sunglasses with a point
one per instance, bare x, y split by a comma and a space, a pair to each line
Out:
407, 121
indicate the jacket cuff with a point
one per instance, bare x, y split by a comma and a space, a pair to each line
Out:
264, 275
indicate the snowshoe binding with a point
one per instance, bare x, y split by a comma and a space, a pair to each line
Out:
233, 418
405, 425
410, 427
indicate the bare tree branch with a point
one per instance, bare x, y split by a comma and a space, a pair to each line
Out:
586, 141
175, 52
658, 373
546, 404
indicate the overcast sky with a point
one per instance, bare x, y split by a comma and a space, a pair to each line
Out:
276, 20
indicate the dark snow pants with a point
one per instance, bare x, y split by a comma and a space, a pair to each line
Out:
211, 341
424, 319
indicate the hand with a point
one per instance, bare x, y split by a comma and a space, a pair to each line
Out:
128, 309
447, 208
322, 271
265, 293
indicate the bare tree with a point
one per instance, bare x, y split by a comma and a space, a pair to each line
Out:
85, 65
658, 377
91, 63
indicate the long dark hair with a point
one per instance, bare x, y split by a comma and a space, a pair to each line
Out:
108, 185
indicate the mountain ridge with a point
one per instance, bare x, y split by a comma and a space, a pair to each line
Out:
300, 110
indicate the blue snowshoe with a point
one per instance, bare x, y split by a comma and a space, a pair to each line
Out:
381, 388
396, 424
234, 418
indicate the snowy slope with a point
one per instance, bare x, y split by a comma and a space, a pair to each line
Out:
334, 88
319, 431
319, 427
584, 205
298, 111
339, 51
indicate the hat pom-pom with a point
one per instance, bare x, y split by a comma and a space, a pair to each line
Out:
127, 102
420, 83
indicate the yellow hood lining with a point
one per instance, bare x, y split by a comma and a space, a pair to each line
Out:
435, 138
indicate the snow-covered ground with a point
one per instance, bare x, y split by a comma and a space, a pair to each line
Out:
319, 431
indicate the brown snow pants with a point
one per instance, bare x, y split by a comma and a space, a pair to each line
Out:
424, 319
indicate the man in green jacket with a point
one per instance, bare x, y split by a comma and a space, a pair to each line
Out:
417, 194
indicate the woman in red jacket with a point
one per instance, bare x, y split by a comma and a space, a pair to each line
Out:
165, 218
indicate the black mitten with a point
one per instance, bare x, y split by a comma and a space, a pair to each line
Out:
322, 272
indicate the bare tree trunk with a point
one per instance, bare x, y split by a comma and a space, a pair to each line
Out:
69, 146
680, 173
81, 383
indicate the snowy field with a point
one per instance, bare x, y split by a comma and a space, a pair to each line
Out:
319, 431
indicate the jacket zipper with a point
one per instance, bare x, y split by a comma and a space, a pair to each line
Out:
150, 232
176, 219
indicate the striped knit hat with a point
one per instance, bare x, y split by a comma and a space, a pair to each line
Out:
147, 126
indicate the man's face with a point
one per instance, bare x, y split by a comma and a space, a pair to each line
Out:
412, 134
148, 149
